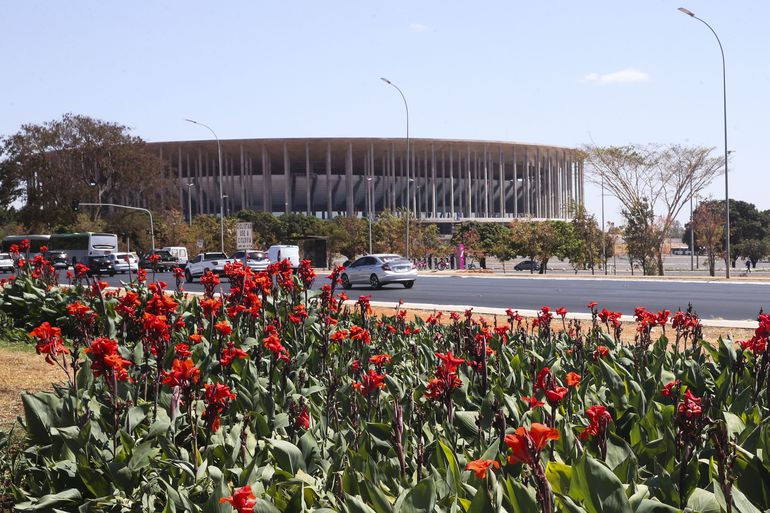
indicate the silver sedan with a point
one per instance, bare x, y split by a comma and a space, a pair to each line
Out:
378, 270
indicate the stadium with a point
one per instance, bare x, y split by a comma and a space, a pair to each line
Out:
446, 181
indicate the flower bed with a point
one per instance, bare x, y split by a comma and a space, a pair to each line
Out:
272, 398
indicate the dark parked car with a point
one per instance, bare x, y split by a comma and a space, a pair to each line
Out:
166, 262
527, 265
58, 259
99, 265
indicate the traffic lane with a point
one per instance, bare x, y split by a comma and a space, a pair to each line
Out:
735, 301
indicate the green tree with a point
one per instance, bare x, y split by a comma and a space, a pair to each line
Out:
389, 232
708, 225
641, 236
78, 158
585, 248
346, 236
266, 228
295, 226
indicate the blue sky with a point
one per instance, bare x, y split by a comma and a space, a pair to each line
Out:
559, 72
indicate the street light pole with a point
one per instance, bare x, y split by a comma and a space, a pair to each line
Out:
692, 232
369, 210
115, 205
189, 201
221, 197
604, 236
408, 161
724, 107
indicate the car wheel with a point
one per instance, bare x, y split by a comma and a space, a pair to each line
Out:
374, 282
346, 282
408, 284
188, 277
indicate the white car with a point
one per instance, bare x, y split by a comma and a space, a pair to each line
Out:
214, 262
124, 262
253, 259
6, 263
281, 252
378, 270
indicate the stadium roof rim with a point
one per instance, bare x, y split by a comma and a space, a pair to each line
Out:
366, 139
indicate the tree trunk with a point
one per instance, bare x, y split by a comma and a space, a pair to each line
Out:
543, 266
660, 262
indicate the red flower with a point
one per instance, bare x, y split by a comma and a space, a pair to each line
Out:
217, 397
544, 379
380, 359
49, 342
690, 405
450, 361
533, 401
573, 379
598, 418
561, 312
106, 360
591, 305
556, 395
526, 445
668, 386
601, 351
480, 467
273, 343
223, 328
230, 353
24, 245
360, 334
302, 418
370, 383
242, 500
183, 374
339, 335
196, 338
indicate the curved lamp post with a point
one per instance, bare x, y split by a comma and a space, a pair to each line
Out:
408, 161
724, 105
221, 196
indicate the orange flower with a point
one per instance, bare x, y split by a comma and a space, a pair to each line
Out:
480, 467
573, 379
526, 445
380, 359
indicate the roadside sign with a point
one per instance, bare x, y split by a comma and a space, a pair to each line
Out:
243, 236
199, 243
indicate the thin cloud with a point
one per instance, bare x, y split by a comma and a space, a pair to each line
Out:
623, 76
418, 27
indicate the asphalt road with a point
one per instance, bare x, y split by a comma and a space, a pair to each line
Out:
712, 300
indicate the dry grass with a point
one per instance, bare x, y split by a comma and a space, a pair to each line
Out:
22, 371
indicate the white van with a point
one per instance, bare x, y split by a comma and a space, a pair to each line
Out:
180, 252
281, 252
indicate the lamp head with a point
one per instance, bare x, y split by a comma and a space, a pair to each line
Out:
190, 120
687, 12
386, 80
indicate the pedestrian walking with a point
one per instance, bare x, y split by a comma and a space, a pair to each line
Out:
748, 266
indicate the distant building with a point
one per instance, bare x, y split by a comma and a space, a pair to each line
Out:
448, 181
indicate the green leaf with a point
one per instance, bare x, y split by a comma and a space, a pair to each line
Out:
287, 455
47, 502
703, 501
741, 503
421, 498
141, 455
40, 411
465, 422
262, 506
481, 501
135, 416
559, 475
650, 506
356, 505
597, 488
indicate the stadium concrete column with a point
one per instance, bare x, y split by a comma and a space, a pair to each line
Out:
329, 208
501, 181
308, 195
525, 182
286, 180
451, 183
349, 205
469, 182
434, 213
515, 184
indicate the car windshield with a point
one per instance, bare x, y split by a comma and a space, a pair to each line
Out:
256, 255
5, 256
391, 258
214, 256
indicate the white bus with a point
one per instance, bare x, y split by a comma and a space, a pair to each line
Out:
80, 246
